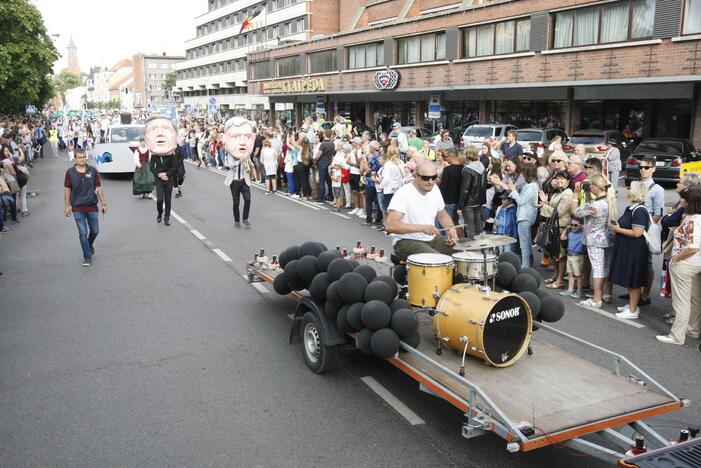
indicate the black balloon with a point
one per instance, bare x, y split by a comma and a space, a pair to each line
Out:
307, 268
512, 258
310, 248
533, 302
327, 257
524, 282
399, 304
351, 287
384, 343
404, 322
322, 246
353, 316
367, 271
542, 293
390, 282
551, 309
362, 341
378, 291
293, 278
354, 263
505, 274
399, 274
287, 255
341, 321
332, 294
338, 267
331, 310
534, 273
280, 285
376, 315
413, 340
318, 287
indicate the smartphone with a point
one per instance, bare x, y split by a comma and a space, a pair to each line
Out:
614, 222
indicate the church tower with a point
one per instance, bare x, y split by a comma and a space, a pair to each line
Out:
73, 58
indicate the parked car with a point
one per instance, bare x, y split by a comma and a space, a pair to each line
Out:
116, 155
541, 137
670, 153
596, 141
421, 132
475, 134
457, 131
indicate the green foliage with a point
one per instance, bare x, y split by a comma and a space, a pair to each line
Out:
26, 57
113, 104
169, 83
65, 81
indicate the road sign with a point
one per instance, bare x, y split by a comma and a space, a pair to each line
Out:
434, 106
29, 109
212, 105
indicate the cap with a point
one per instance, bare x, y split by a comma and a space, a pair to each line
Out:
375, 144
396, 125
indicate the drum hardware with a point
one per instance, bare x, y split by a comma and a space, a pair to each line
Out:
484, 241
466, 340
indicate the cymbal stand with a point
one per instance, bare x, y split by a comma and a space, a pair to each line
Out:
463, 339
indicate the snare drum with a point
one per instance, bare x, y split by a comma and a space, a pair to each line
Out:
497, 328
429, 275
470, 266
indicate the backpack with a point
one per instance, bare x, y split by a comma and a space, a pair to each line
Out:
653, 234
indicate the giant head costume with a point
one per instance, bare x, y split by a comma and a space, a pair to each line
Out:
161, 136
239, 137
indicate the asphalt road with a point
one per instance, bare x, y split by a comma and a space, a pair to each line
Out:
162, 354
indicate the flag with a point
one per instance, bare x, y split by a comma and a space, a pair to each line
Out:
248, 21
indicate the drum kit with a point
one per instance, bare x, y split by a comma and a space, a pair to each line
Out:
468, 315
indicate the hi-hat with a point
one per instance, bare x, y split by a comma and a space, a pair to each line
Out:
484, 241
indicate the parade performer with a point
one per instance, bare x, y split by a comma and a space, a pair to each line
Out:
239, 138
162, 143
143, 181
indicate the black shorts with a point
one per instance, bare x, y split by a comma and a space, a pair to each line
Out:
270, 177
354, 181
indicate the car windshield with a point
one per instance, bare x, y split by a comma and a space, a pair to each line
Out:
529, 135
586, 140
478, 132
660, 146
127, 134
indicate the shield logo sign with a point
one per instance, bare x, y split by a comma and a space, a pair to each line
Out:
386, 79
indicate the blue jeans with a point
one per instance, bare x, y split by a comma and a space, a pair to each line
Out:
9, 203
85, 222
370, 199
524, 240
291, 182
187, 154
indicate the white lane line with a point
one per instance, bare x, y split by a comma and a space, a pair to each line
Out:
197, 234
299, 202
177, 216
341, 215
632, 323
260, 287
393, 401
222, 255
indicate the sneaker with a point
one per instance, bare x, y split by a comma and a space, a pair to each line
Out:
623, 308
24, 213
246, 223
15, 221
6, 229
348, 207
668, 315
294, 196
267, 192
361, 214
669, 339
365, 223
354, 211
92, 251
87, 262
627, 314
694, 335
576, 295
238, 225
669, 321
566, 293
590, 303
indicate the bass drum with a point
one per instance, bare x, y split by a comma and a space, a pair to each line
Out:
498, 327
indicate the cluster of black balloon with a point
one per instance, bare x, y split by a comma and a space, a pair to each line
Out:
353, 295
527, 283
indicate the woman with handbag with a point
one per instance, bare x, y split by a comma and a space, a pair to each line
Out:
558, 204
629, 254
685, 270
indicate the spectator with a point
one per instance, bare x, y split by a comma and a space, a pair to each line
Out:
629, 254
427, 152
560, 200
594, 166
269, 161
505, 220
402, 141
613, 156
473, 188
556, 162
574, 258
685, 270
415, 141
597, 213
291, 159
511, 148
449, 185
392, 173
369, 168
575, 167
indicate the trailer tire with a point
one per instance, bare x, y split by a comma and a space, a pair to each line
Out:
318, 357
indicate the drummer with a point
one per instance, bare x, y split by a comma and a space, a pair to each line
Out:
412, 213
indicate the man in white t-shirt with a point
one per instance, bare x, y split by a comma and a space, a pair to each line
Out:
412, 213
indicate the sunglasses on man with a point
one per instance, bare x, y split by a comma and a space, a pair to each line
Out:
645, 168
426, 178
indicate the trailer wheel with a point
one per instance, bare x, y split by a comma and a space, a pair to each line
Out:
318, 357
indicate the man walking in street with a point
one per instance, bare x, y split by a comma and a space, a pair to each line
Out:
239, 138
162, 142
82, 191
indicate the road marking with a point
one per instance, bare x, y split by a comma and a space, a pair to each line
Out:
632, 323
299, 202
177, 216
393, 401
260, 287
222, 255
197, 234
341, 215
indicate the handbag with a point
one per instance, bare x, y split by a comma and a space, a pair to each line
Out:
14, 186
653, 234
549, 236
22, 178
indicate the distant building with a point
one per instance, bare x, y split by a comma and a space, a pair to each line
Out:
150, 72
73, 66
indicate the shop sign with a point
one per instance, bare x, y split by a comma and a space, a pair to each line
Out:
386, 79
310, 85
434, 106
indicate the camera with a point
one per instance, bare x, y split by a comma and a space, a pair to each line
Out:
586, 186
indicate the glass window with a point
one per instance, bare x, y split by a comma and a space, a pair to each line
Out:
322, 62
586, 26
504, 43
523, 35
692, 17
614, 22
643, 18
428, 49
499, 38
440, 46
485, 40
564, 23
260, 70
409, 50
366, 55
288, 66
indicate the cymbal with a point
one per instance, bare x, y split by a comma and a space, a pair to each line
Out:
484, 241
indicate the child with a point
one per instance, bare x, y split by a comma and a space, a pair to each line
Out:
505, 221
339, 160
71, 153
574, 235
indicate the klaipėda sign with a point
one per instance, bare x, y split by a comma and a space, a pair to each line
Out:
310, 85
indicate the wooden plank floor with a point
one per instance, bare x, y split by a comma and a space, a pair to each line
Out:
551, 389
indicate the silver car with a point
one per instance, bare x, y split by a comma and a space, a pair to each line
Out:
476, 134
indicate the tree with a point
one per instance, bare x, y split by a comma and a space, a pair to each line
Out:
64, 81
169, 83
26, 57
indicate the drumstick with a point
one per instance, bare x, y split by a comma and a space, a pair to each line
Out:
451, 227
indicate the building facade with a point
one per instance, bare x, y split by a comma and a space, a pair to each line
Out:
72, 58
150, 73
215, 66
606, 64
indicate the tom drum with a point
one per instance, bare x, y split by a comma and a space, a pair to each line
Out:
471, 266
428, 276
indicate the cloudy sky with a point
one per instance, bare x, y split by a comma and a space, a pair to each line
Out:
107, 31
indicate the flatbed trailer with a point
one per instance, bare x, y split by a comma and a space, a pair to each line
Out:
549, 396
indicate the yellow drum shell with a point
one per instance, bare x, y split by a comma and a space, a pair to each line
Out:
498, 327
428, 276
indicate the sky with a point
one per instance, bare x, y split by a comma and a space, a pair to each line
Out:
108, 31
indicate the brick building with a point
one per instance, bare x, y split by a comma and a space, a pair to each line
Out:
570, 63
